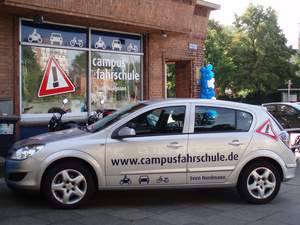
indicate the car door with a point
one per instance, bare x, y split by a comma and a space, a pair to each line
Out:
290, 116
218, 140
155, 155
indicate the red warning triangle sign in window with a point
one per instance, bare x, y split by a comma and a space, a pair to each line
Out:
54, 81
267, 129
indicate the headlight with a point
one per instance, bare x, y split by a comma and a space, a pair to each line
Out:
26, 152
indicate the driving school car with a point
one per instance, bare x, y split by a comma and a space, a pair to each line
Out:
158, 144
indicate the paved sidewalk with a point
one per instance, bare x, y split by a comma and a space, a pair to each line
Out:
182, 207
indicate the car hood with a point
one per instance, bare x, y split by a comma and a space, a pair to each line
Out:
50, 137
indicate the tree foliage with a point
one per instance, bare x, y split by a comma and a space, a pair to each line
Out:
296, 63
251, 57
264, 64
171, 80
216, 53
31, 74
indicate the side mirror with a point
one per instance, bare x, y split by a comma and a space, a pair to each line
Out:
126, 132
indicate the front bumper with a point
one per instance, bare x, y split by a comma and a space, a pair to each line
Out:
23, 174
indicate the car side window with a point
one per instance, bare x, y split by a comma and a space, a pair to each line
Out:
272, 108
243, 121
159, 121
214, 119
288, 110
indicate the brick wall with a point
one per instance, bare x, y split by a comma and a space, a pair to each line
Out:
173, 15
182, 20
6, 57
175, 48
183, 79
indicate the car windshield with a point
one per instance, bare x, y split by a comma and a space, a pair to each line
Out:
296, 106
112, 118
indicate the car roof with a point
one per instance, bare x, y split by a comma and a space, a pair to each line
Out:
294, 105
202, 101
281, 103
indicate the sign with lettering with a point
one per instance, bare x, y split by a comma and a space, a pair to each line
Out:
193, 46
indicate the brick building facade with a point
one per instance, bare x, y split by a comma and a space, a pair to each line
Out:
183, 21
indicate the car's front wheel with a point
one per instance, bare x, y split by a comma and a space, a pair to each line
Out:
68, 185
259, 183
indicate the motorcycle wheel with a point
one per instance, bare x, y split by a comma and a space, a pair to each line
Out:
80, 44
40, 40
68, 185
72, 43
30, 39
96, 45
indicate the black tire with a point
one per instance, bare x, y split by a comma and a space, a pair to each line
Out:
259, 183
68, 185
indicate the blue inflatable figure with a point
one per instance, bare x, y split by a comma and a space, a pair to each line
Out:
207, 81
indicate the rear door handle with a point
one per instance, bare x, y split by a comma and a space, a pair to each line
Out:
236, 142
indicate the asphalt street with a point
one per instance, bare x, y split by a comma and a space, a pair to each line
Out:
185, 206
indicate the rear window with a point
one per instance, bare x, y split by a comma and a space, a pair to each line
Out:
277, 123
215, 119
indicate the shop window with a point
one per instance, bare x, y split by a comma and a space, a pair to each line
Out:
115, 79
54, 65
33, 70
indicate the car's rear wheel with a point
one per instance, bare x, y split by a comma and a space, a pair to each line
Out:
259, 183
68, 185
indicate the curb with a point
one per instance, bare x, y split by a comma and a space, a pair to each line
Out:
2, 160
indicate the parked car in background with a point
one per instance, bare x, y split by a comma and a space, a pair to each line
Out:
287, 114
158, 144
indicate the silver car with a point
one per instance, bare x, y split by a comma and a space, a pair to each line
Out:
179, 142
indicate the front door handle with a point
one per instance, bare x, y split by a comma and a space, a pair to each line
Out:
174, 145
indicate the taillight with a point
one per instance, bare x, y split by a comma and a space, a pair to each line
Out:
285, 137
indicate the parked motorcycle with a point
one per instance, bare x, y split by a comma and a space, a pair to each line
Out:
99, 114
296, 146
55, 123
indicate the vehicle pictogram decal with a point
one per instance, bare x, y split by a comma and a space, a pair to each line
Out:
161, 179
126, 180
